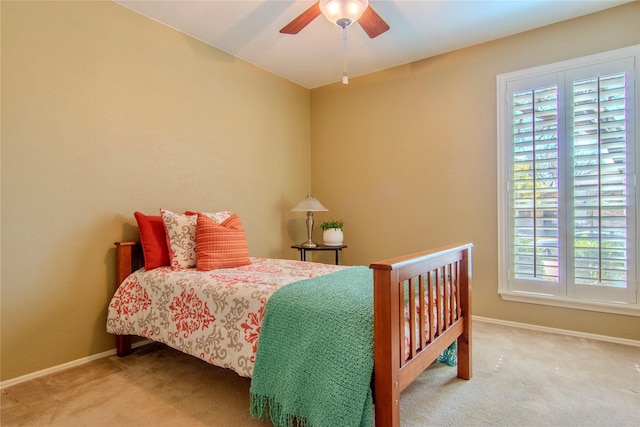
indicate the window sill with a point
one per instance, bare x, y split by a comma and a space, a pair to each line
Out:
578, 304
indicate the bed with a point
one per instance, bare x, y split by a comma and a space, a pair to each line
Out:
408, 333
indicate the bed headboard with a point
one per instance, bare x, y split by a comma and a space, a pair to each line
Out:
128, 259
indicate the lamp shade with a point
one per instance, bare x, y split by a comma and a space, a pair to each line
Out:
343, 12
309, 204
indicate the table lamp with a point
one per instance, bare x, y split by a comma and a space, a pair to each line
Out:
309, 205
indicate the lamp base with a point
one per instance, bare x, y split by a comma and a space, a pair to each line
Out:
309, 244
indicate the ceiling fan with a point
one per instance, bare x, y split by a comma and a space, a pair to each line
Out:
341, 13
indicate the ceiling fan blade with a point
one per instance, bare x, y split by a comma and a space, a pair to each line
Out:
302, 20
371, 23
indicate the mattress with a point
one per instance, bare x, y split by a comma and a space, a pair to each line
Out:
213, 315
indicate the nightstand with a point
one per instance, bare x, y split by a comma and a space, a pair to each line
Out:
303, 250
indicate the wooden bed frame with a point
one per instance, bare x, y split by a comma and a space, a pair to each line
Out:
442, 275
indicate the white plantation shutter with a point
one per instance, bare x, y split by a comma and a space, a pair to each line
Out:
535, 183
567, 154
603, 181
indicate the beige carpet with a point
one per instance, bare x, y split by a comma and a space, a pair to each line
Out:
521, 378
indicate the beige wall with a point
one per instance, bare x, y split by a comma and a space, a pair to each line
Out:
407, 156
105, 112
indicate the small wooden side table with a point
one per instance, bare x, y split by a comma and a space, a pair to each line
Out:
303, 250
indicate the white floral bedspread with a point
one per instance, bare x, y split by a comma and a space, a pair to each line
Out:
213, 315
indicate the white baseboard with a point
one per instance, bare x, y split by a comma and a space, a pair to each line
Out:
597, 337
64, 366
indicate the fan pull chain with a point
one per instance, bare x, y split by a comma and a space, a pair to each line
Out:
345, 75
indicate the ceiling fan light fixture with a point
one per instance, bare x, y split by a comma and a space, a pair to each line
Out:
343, 12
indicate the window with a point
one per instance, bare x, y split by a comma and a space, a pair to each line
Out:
567, 156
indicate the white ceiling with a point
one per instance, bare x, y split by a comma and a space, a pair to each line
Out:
312, 58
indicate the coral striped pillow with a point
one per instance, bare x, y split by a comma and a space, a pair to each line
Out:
220, 245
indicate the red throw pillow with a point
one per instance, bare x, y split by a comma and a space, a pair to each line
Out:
220, 245
154, 241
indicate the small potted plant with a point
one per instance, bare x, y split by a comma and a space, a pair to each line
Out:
332, 232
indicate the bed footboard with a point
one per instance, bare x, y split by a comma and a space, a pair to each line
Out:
438, 314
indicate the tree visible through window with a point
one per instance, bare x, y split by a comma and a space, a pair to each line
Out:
567, 159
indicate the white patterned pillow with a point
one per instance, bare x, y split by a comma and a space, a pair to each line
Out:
181, 235
218, 217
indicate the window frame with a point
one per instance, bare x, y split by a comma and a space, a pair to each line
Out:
544, 294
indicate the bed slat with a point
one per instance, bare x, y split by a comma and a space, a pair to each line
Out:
423, 313
432, 318
412, 318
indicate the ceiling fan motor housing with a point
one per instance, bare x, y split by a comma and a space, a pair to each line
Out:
343, 12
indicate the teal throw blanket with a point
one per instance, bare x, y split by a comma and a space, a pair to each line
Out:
314, 362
